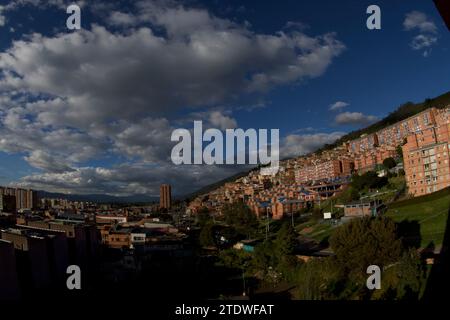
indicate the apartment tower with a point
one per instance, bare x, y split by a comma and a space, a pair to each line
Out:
165, 196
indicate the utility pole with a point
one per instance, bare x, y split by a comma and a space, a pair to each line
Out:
360, 205
292, 218
243, 279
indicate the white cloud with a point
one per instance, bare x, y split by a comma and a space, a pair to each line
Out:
354, 118
221, 121
74, 97
42, 160
121, 19
297, 144
423, 41
419, 20
427, 37
338, 105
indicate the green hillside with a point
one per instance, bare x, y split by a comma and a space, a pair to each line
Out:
430, 212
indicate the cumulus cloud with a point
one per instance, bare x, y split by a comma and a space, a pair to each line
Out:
354, 118
419, 20
300, 144
147, 140
423, 41
161, 74
42, 160
121, 19
427, 37
222, 121
70, 98
338, 105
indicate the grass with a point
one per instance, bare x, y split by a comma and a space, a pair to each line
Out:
431, 212
321, 232
317, 230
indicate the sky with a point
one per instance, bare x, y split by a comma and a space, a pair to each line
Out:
92, 110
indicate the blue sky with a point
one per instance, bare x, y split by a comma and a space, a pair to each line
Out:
91, 111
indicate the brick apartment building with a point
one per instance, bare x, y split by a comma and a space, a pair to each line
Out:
425, 140
426, 157
324, 170
165, 196
370, 150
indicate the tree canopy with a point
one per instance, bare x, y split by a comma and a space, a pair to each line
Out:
240, 217
389, 163
365, 242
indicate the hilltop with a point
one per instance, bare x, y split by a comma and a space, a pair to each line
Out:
403, 112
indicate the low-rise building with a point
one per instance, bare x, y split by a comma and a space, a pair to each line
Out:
362, 209
9, 281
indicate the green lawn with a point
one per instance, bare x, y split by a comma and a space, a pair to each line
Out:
430, 212
321, 232
315, 229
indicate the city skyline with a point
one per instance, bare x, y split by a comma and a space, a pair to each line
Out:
68, 123
214, 158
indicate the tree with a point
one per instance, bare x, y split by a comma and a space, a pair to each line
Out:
203, 216
364, 242
317, 280
240, 217
232, 258
369, 180
402, 280
206, 236
264, 256
286, 240
275, 259
399, 151
389, 163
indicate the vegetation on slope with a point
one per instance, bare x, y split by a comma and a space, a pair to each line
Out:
424, 218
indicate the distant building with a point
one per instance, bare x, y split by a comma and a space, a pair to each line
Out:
7, 203
362, 209
325, 170
25, 198
165, 196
